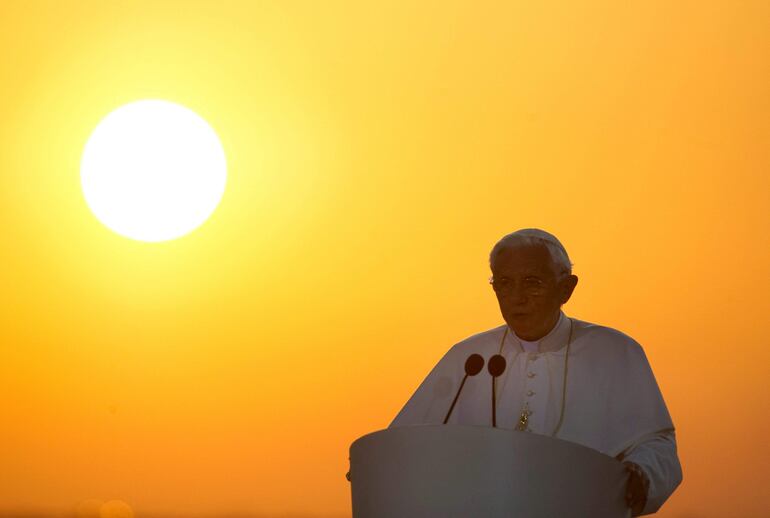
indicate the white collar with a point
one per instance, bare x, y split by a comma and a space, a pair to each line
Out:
555, 339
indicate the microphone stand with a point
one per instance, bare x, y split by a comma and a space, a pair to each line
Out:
496, 367
473, 366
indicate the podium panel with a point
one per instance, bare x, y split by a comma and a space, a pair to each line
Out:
472, 471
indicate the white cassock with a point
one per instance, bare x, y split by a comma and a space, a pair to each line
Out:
611, 403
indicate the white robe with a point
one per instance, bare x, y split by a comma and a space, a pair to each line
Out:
612, 403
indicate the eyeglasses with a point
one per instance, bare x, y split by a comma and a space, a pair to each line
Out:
530, 285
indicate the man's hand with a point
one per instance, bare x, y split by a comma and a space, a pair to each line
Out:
636, 488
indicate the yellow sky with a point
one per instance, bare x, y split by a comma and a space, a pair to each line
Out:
376, 151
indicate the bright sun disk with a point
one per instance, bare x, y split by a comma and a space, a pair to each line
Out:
153, 170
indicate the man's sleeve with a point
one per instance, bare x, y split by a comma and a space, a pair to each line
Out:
431, 399
657, 457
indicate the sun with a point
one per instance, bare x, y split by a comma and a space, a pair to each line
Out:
153, 170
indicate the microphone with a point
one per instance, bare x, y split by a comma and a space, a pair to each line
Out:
473, 366
496, 366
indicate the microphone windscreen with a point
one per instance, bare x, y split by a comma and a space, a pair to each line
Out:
496, 365
474, 364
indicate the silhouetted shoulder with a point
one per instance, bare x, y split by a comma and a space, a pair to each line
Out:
608, 339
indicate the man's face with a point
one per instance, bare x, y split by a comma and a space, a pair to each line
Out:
529, 289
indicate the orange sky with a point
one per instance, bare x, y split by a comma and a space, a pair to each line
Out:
376, 151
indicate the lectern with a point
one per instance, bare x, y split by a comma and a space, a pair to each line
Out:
473, 471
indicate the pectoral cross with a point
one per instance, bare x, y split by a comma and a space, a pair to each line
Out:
522, 425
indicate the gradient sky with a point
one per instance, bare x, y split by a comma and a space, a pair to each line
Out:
376, 152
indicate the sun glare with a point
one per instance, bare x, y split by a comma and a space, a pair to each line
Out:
153, 171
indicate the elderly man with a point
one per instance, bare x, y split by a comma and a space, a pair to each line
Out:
565, 378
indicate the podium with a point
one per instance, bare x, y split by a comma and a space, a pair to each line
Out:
473, 471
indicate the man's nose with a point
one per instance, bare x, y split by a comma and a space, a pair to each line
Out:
516, 294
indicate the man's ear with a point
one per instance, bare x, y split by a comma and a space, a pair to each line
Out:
568, 286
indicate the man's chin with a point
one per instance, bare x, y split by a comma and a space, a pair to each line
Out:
518, 319
519, 323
